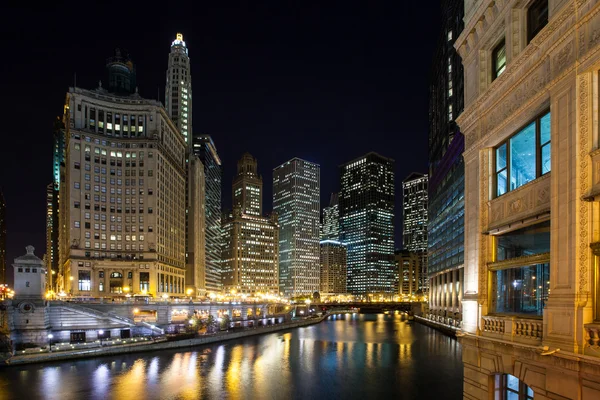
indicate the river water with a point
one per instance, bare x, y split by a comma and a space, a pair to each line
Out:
351, 356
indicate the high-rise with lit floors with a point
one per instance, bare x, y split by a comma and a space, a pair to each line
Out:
334, 267
2, 239
250, 242
178, 102
330, 227
53, 203
367, 223
296, 200
122, 192
204, 148
446, 210
178, 93
414, 224
247, 186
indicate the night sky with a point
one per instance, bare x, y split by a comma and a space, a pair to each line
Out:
324, 82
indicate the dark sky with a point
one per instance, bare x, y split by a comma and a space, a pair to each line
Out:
324, 81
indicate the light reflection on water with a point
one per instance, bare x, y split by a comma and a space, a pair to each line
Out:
351, 356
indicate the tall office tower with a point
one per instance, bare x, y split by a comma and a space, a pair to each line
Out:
250, 256
296, 190
334, 267
178, 93
367, 223
2, 239
414, 226
414, 204
195, 276
445, 227
53, 203
122, 191
330, 228
410, 266
204, 148
247, 186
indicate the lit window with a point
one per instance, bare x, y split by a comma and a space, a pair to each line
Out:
517, 159
449, 35
498, 59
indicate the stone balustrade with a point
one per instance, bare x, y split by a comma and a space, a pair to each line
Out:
514, 329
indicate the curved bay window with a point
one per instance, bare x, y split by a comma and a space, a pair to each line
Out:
520, 275
523, 157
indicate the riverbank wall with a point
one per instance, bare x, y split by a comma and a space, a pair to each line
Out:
154, 346
447, 329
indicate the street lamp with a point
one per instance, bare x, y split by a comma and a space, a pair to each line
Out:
50, 336
100, 335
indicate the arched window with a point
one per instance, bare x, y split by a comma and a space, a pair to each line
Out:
116, 275
507, 387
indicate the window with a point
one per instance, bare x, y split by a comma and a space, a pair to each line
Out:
85, 282
101, 287
521, 289
77, 224
498, 59
116, 275
537, 18
144, 281
524, 157
509, 387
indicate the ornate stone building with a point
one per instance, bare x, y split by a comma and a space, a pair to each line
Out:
532, 192
122, 191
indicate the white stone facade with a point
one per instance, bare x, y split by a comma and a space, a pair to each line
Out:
554, 71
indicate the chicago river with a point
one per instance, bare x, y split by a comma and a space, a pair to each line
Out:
347, 356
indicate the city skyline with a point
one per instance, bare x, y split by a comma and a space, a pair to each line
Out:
238, 93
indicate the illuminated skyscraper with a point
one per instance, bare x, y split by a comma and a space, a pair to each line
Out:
247, 186
205, 149
178, 93
414, 203
250, 242
2, 239
53, 202
367, 223
330, 228
334, 267
296, 189
414, 227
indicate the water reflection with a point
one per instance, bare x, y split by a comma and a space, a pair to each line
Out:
348, 356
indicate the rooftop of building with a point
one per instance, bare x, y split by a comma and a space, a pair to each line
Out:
414, 176
295, 159
369, 154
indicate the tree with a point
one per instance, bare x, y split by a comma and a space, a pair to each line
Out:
316, 297
225, 321
211, 324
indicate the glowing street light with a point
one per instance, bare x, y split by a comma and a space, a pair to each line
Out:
50, 336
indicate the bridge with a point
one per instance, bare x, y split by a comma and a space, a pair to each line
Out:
416, 308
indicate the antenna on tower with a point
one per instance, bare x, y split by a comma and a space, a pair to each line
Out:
75, 79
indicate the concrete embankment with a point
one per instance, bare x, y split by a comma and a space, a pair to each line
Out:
448, 330
163, 345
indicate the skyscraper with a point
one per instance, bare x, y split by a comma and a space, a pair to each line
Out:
205, 149
247, 186
122, 209
53, 202
178, 102
250, 256
414, 226
446, 231
334, 267
414, 204
296, 190
2, 239
366, 205
330, 228
178, 93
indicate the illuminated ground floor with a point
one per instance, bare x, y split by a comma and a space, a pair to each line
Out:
445, 296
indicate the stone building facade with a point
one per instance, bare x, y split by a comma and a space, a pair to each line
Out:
122, 191
532, 157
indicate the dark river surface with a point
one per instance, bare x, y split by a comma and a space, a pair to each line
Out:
351, 356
